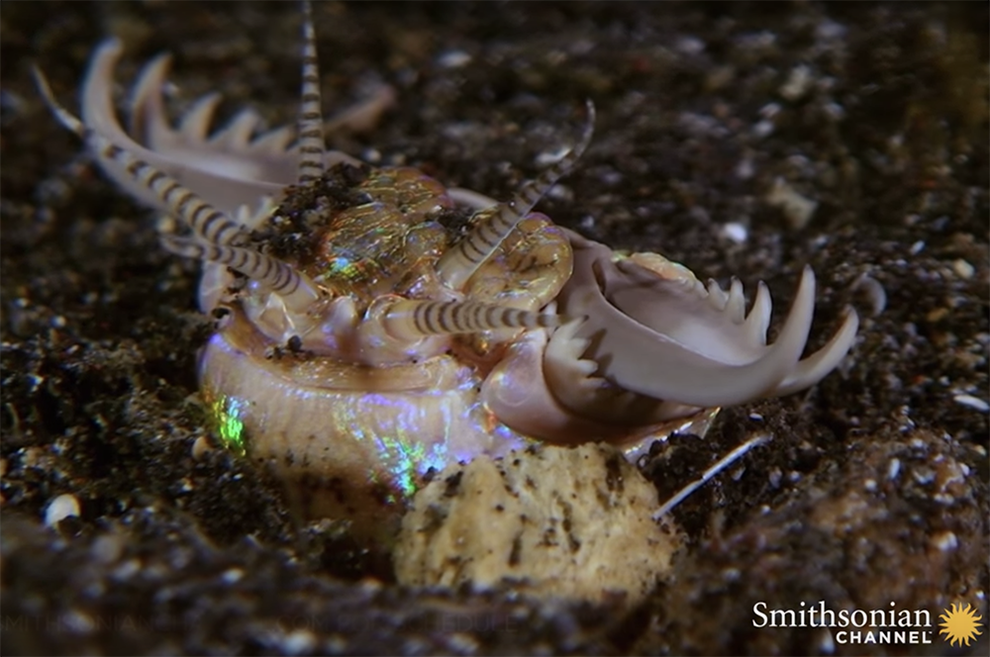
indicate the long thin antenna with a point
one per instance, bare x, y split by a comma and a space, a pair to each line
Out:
296, 290
464, 258
311, 145
719, 465
411, 319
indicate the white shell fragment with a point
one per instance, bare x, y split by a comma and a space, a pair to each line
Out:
60, 508
972, 402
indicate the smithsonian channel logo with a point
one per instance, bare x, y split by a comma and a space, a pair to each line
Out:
959, 625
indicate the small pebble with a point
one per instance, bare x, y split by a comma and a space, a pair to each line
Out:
763, 129
736, 232
874, 291
797, 83
61, 508
200, 448
963, 269
299, 642
893, 469
972, 402
796, 208
945, 541
454, 59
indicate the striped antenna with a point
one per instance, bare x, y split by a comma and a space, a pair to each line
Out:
294, 287
208, 223
418, 318
311, 144
464, 258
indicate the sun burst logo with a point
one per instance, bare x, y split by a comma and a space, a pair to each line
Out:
960, 626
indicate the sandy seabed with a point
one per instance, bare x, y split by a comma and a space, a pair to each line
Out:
874, 489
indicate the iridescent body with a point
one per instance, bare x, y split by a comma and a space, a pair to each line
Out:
345, 451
